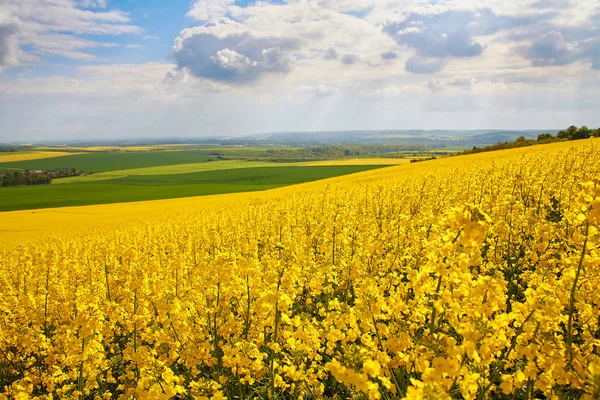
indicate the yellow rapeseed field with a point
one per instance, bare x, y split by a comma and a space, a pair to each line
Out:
34, 155
468, 277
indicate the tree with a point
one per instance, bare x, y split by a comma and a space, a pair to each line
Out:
568, 133
544, 136
520, 139
582, 133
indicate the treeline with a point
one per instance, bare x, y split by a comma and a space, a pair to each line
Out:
12, 149
571, 133
574, 133
321, 152
24, 179
36, 177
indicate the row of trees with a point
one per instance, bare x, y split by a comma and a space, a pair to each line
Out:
24, 178
12, 149
571, 133
321, 152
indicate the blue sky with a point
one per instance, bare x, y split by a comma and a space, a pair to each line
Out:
161, 20
132, 68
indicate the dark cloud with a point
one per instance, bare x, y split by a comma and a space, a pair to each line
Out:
389, 55
8, 45
331, 54
422, 65
550, 49
349, 59
555, 48
451, 33
593, 52
225, 50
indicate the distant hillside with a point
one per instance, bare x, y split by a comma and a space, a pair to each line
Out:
433, 138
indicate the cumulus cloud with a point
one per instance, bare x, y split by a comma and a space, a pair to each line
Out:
225, 50
554, 48
93, 3
8, 43
550, 49
450, 33
423, 65
203, 10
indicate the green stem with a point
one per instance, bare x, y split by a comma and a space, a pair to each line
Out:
571, 311
433, 309
248, 299
46, 302
504, 357
107, 285
80, 377
383, 351
272, 361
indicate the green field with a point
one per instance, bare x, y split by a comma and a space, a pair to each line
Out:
109, 161
169, 170
153, 187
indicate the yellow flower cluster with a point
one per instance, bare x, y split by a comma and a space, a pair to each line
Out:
469, 277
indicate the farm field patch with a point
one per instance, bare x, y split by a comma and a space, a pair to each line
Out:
153, 187
171, 169
30, 155
362, 161
109, 161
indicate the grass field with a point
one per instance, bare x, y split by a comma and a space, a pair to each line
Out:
362, 161
31, 155
159, 147
109, 161
153, 187
169, 170
244, 176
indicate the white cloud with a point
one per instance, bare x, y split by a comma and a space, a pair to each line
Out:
93, 3
225, 50
55, 27
233, 61
203, 10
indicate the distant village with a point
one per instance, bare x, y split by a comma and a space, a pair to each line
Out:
36, 176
